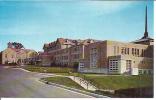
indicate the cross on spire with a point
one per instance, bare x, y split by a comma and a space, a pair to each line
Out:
146, 32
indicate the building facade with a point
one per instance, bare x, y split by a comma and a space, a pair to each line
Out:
108, 57
64, 52
13, 55
112, 57
0, 57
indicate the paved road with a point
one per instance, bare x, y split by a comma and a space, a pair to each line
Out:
18, 83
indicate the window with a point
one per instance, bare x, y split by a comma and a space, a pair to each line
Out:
122, 50
132, 51
113, 65
5, 55
135, 51
118, 50
142, 54
93, 57
127, 50
128, 64
140, 71
138, 52
149, 72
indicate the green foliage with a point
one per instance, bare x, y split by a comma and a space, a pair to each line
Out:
16, 45
49, 69
63, 81
121, 82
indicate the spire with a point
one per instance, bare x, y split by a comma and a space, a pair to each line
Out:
146, 33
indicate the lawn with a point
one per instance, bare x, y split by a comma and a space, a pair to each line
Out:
120, 82
103, 82
63, 81
61, 70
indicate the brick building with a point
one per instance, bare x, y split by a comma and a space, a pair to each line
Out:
108, 57
64, 52
118, 58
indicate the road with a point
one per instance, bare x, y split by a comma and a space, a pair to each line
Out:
17, 83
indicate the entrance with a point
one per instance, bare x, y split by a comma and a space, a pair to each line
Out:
128, 66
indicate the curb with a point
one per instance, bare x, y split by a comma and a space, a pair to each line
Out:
62, 86
23, 69
48, 74
76, 90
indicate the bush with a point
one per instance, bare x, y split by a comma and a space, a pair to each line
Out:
50, 69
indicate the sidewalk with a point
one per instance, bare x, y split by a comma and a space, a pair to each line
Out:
85, 84
76, 90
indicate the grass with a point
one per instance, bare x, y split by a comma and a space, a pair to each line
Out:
120, 82
59, 70
103, 82
63, 81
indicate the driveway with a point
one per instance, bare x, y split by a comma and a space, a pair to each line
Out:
18, 83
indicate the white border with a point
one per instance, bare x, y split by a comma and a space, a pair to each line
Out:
99, 98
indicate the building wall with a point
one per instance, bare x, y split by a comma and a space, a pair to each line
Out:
96, 56
97, 52
27, 57
0, 57
9, 55
19, 56
141, 56
136, 64
65, 57
119, 48
46, 60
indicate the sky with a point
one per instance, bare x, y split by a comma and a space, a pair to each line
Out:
36, 22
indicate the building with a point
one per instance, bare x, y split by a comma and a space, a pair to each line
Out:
64, 52
112, 57
107, 57
15, 54
0, 58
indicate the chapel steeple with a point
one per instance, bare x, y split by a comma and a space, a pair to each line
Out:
146, 25
145, 39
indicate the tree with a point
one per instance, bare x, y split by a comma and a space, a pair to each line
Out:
16, 45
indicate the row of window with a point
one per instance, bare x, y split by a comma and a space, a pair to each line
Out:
75, 56
124, 50
64, 50
52, 48
61, 58
93, 57
145, 71
62, 63
134, 51
76, 49
6, 56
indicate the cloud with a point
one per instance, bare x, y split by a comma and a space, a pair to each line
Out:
99, 7
46, 17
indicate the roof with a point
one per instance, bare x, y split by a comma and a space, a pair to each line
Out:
64, 41
143, 40
21, 50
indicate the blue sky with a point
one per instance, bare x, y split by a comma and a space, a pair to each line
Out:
34, 23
